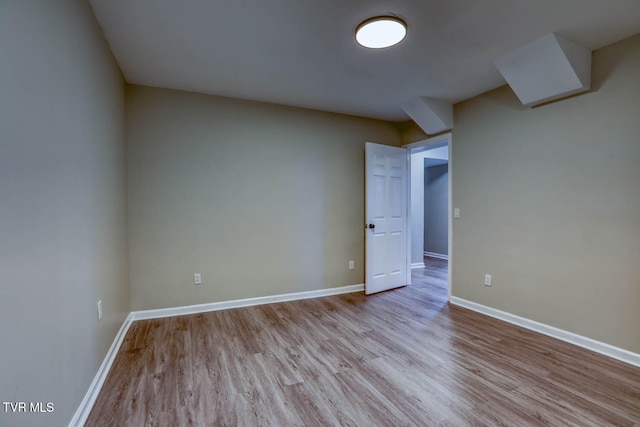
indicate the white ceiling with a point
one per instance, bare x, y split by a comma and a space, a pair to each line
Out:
303, 52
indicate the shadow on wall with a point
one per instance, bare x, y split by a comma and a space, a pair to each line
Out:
436, 207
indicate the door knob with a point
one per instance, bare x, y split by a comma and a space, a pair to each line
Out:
372, 226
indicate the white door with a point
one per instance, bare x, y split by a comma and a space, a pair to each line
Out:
386, 215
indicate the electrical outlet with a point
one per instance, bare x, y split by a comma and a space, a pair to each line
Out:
100, 310
487, 280
456, 213
352, 265
197, 279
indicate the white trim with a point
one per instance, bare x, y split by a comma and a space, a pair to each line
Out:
407, 230
450, 221
435, 255
417, 265
224, 305
432, 142
83, 411
579, 340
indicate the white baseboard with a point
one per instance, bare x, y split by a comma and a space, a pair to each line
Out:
417, 265
82, 413
579, 340
224, 305
435, 255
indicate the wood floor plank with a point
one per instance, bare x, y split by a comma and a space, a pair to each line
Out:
312, 407
402, 357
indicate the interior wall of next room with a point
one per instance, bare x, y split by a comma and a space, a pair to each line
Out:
436, 209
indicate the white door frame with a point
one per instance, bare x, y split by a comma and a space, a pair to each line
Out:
421, 146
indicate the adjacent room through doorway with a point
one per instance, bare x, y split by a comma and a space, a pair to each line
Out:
430, 214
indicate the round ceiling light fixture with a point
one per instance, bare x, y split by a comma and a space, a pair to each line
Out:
381, 32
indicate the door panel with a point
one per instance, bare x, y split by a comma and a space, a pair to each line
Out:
386, 210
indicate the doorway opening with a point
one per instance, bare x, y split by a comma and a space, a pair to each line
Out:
430, 215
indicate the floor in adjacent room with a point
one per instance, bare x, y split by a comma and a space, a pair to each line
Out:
401, 357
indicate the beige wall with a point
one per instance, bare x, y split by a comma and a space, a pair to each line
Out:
550, 203
260, 199
263, 200
62, 205
410, 132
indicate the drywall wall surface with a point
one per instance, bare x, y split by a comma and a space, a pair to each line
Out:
63, 206
410, 132
417, 209
436, 209
259, 199
550, 201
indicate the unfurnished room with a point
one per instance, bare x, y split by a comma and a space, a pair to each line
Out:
306, 213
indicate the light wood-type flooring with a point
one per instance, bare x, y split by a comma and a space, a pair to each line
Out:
400, 358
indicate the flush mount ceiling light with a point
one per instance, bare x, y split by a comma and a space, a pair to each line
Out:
381, 32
